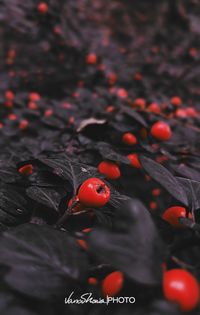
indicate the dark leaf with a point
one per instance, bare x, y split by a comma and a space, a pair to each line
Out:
192, 190
187, 172
45, 196
135, 115
13, 207
160, 174
70, 170
108, 153
42, 262
126, 247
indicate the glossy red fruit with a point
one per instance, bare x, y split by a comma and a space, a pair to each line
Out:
23, 124
161, 131
12, 117
181, 113
32, 105
94, 193
9, 95
140, 103
153, 205
154, 108
181, 287
191, 112
43, 7
34, 97
129, 138
110, 169
156, 192
133, 158
92, 281
176, 101
91, 59
122, 93
26, 169
173, 214
113, 283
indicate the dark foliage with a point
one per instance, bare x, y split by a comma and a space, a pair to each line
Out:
144, 49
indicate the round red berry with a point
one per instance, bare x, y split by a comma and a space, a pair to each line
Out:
129, 138
176, 101
154, 108
91, 59
113, 283
9, 95
173, 214
94, 193
181, 113
92, 281
161, 131
43, 7
122, 93
34, 97
181, 287
23, 124
26, 169
134, 160
140, 103
191, 112
110, 169
156, 192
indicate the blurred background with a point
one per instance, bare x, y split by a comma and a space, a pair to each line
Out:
152, 48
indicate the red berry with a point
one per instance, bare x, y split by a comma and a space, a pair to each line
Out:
43, 7
191, 112
154, 108
110, 169
129, 138
26, 169
181, 287
48, 112
122, 93
92, 281
138, 76
83, 244
94, 193
173, 214
32, 105
140, 103
161, 131
23, 124
110, 109
113, 283
176, 101
34, 97
112, 78
193, 52
181, 113
153, 205
91, 59
134, 160
156, 192
9, 95
12, 117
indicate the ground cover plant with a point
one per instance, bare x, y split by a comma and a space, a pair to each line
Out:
100, 156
